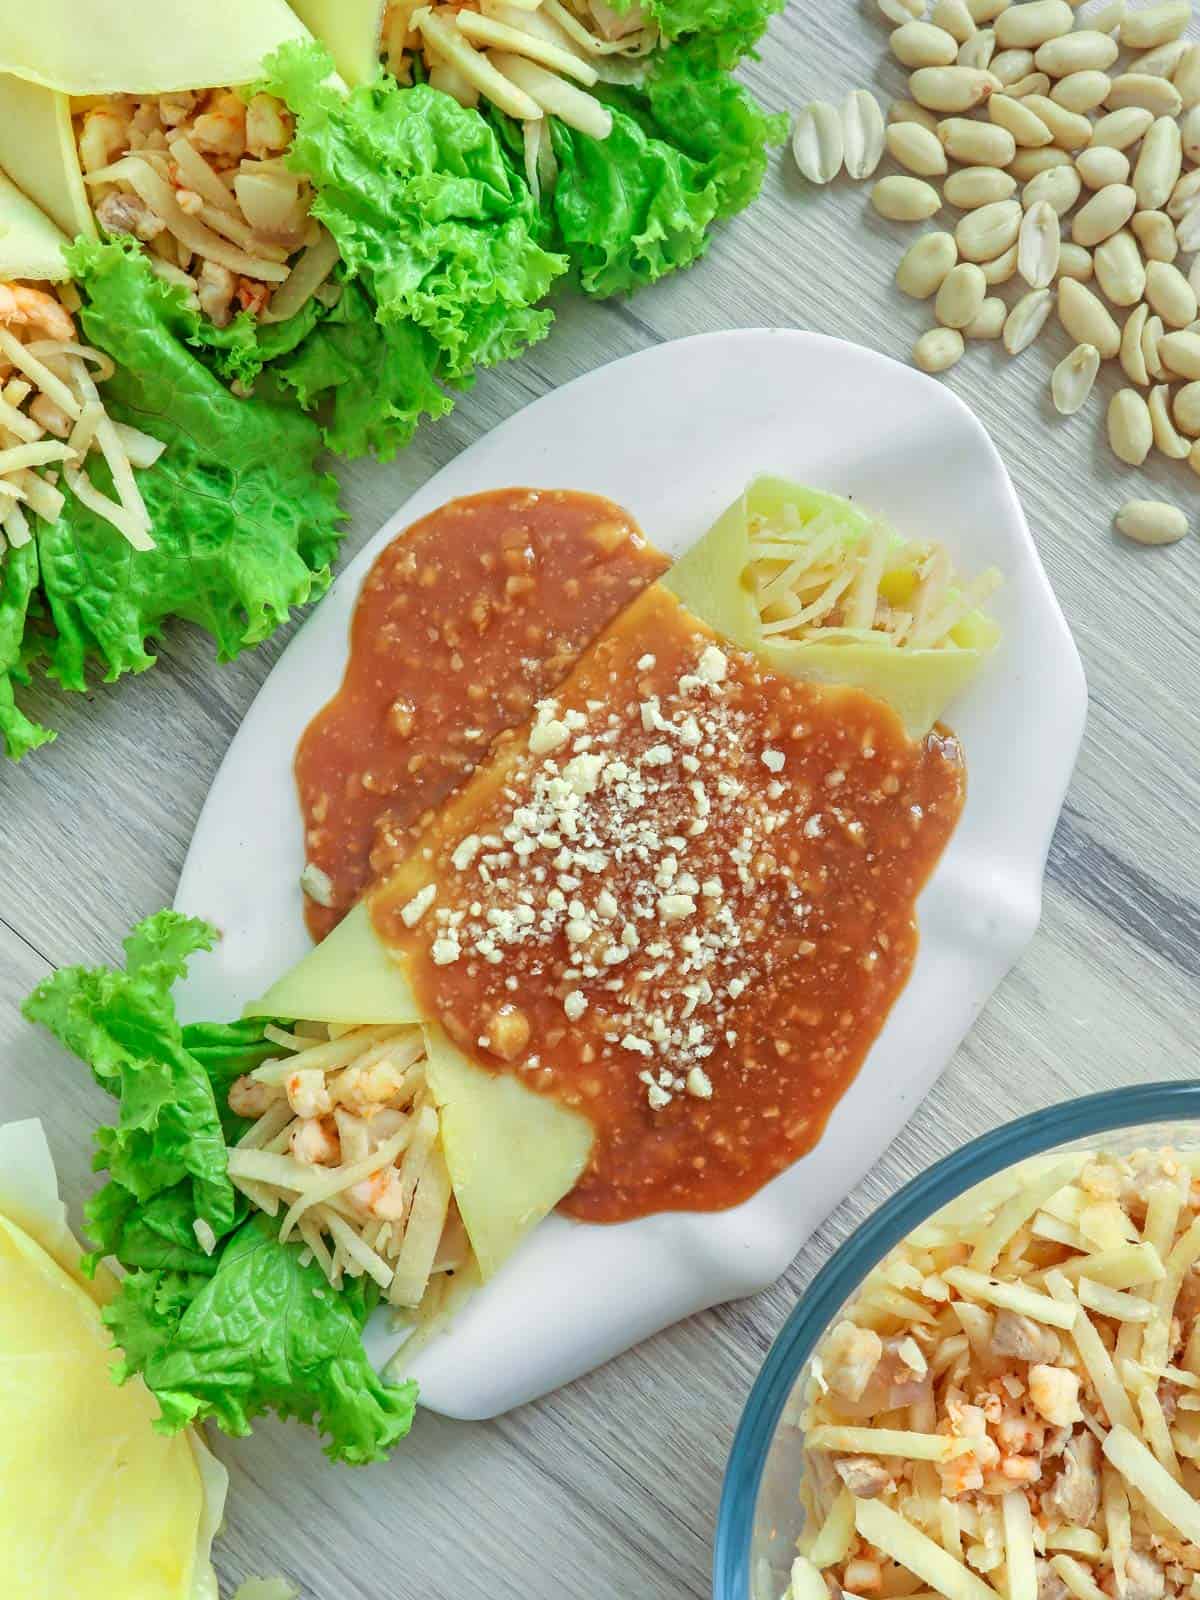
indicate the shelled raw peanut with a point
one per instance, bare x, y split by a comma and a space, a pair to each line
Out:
1058, 148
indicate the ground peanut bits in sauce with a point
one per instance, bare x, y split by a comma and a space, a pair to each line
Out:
684, 906
463, 622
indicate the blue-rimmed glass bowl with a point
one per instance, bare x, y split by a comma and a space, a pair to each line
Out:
760, 1515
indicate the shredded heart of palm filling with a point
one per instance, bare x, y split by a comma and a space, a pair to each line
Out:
1011, 1404
345, 1138
530, 58
201, 180
815, 579
52, 417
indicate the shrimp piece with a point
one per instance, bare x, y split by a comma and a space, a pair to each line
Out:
268, 126
103, 137
1016, 1434
176, 107
145, 123
364, 1089
961, 1474
308, 1094
250, 1098
964, 1473
252, 296
35, 310
214, 288
221, 130
382, 1194
851, 1355
316, 1142
1054, 1392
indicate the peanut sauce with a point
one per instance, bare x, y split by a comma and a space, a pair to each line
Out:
681, 901
464, 621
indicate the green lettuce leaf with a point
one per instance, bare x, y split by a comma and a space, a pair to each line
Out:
267, 1333
327, 369
694, 105
245, 527
688, 147
18, 586
228, 1050
155, 1233
145, 1316
728, 29
247, 1328
241, 350
123, 1024
426, 209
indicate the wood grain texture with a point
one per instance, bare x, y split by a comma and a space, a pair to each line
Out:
609, 1488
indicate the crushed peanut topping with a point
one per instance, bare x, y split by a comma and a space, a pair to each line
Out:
645, 867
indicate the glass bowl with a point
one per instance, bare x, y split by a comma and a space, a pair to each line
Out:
760, 1514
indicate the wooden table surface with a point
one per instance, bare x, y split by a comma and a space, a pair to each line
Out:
608, 1489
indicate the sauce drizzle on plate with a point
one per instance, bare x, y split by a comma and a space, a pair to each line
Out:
464, 622
681, 902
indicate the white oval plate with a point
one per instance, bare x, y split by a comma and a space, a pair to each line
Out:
674, 434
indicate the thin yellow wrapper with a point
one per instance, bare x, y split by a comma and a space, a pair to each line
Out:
917, 684
348, 978
37, 150
30, 244
29, 1198
143, 46
711, 581
512, 1154
93, 1502
31, 1205
352, 31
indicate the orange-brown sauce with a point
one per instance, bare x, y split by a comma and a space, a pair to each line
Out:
464, 621
682, 902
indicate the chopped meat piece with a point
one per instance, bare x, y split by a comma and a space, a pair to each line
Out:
1050, 1585
128, 213
863, 1476
215, 292
1015, 1335
1074, 1496
1144, 1578
850, 1357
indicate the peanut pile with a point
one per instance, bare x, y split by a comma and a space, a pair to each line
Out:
1072, 153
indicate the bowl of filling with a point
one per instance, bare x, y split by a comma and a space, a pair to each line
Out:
993, 1387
